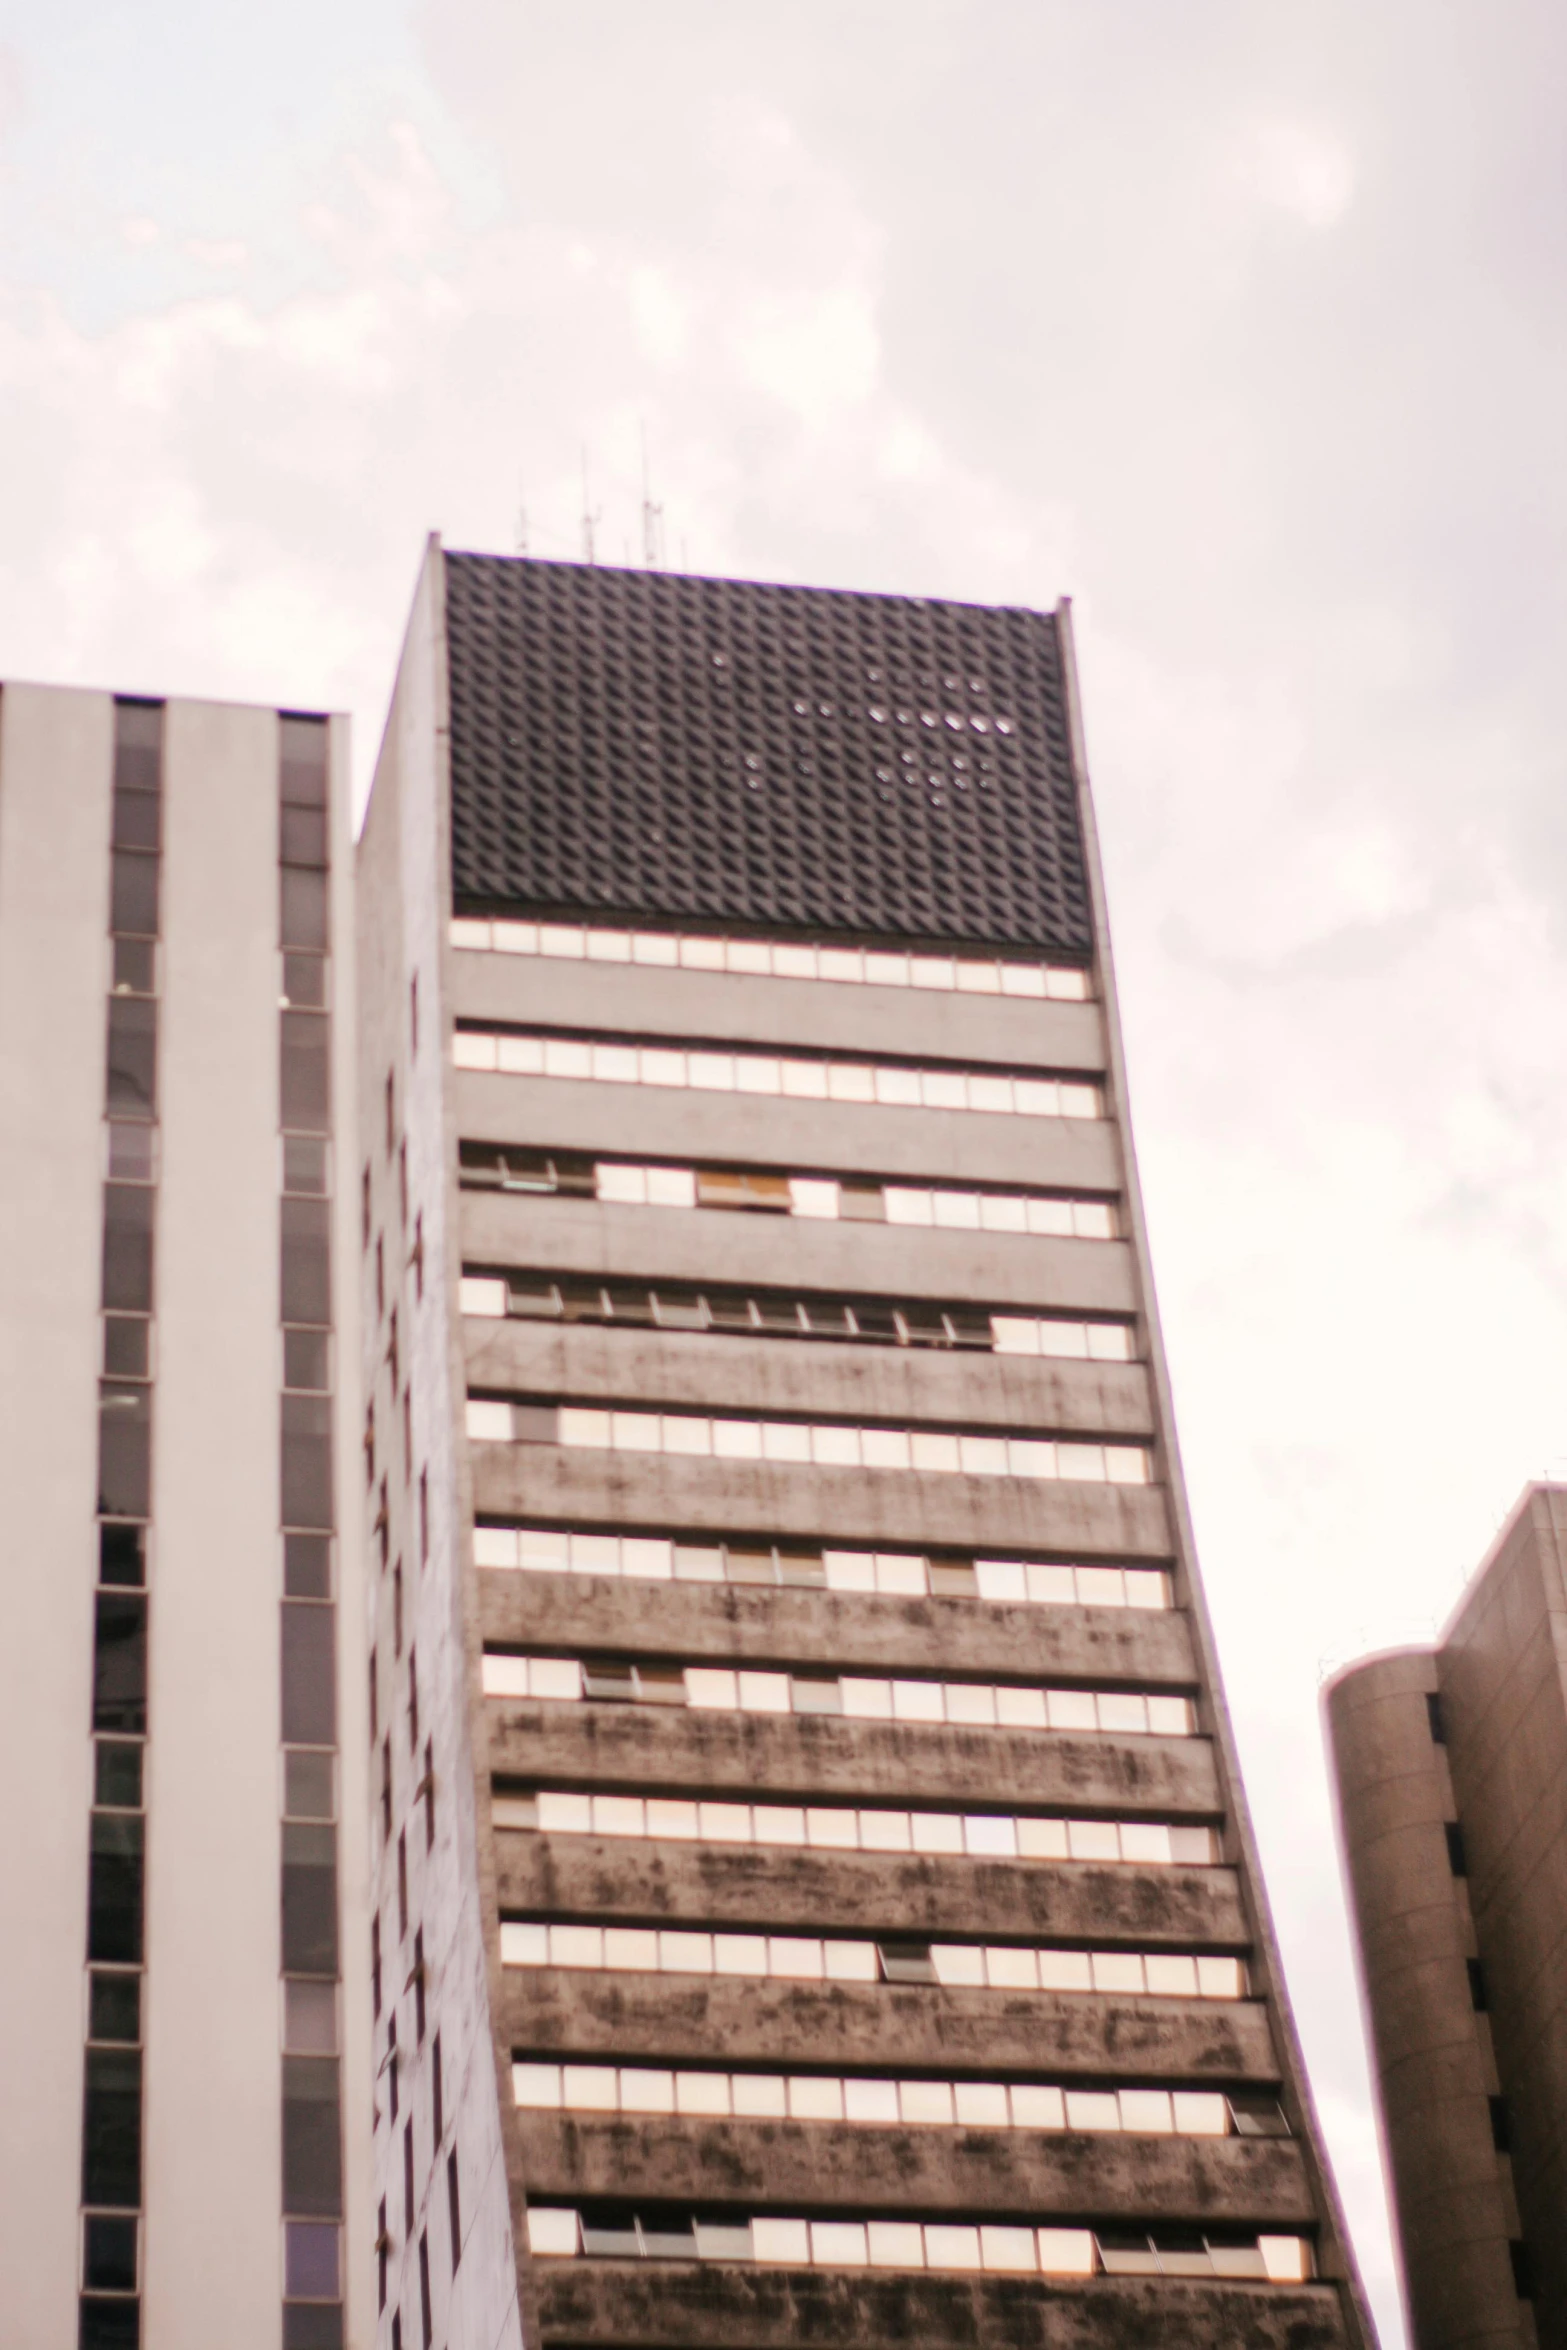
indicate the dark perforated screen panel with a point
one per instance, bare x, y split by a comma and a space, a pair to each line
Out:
647, 745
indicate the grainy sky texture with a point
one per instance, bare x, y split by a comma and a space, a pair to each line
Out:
1241, 324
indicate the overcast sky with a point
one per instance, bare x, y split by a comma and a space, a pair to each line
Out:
1242, 325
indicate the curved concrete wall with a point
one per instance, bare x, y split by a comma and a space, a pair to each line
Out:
1435, 2072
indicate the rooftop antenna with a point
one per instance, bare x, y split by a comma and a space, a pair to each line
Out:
652, 519
592, 516
522, 528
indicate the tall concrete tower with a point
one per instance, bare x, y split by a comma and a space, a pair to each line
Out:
814, 1897
186, 2039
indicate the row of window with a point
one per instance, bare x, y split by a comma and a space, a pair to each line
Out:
311, 2084
774, 959
824, 1444
966, 1704
807, 1958
942, 2246
857, 1200
112, 2100
547, 1550
851, 1828
893, 1085
771, 1313
877, 2103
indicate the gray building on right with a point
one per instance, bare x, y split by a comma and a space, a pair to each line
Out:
1451, 1771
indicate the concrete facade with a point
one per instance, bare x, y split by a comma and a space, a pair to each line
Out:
207, 2232
485, 1873
1450, 1764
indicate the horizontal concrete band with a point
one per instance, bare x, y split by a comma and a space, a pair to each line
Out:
851, 1138
779, 1378
819, 2166
546, 2010
586, 1615
753, 1009
673, 2305
868, 1509
618, 1881
846, 1258
826, 1758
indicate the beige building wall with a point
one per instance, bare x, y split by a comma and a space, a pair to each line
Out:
55, 751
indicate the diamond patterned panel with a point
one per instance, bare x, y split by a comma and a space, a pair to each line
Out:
650, 746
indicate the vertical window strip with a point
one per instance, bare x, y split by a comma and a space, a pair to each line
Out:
111, 2252
310, 1955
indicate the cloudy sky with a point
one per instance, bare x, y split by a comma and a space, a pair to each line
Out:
1240, 324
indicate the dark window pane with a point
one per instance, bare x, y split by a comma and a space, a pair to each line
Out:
307, 1566
308, 1778
309, 1674
311, 2325
135, 966
305, 1077
133, 1151
312, 2165
124, 1451
304, 837
307, 1360
302, 907
135, 819
309, 1905
138, 742
306, 1268
109, 2254
114, 1889
302, 748
310, 2261
109, 2325
126, 1354
304, 1165
115, 2012
127, 1248
304, 981
117, 1775
120, 1664
111, 2129
307, 1460
133, 894
122, 1554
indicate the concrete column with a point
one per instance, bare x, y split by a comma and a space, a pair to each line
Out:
1435, 2072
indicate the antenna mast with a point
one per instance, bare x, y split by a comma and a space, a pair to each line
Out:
652, 519
592, 516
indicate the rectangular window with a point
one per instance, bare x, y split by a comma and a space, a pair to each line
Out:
133, 1056
402, 1885
408, 2178
453, 2208
133, 893
124, 1450
305, 1071
302, 912
115, 1890
127, 1248
122, 1555
114, 2010
437, 2092
312, 2166
1457, 1860
120, 1664
309, 1674
424, 2293
111, 2130
418, 1980
306, 1262
309, 1898
307, 1461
